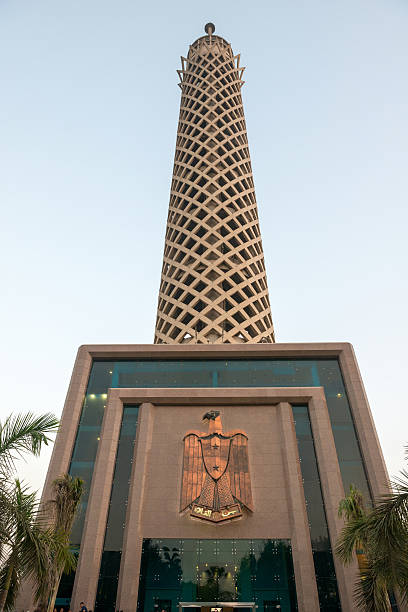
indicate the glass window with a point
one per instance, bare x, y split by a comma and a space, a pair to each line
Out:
100, 378
112, 550
223, 570
319, 534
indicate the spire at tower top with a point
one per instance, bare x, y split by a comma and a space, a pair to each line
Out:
213, 285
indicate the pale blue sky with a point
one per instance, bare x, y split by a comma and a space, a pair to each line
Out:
88, 115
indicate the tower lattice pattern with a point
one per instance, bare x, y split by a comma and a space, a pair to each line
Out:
213, 285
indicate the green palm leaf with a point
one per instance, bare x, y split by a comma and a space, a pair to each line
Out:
24, 433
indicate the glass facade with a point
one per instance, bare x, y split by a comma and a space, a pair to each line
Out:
231, 373
319, 533
112, 549
259, 571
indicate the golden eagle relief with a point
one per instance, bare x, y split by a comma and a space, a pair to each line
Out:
216, 479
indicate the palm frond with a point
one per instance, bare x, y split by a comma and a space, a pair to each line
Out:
371, 593
353, 535
67, 496
13, 586
24, 433
388, 527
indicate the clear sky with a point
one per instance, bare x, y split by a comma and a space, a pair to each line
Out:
88, 115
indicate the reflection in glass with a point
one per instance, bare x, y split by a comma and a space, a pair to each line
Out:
322, 553
216, 570
112, 549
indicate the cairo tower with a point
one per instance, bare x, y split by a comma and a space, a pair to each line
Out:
214, 459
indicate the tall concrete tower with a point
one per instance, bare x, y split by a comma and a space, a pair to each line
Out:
213, 285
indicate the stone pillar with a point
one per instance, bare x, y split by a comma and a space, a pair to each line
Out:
71, 414
86, 579
365, 427
133, 538
308, 600
333, 492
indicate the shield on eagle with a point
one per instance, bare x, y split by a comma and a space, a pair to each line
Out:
216, 479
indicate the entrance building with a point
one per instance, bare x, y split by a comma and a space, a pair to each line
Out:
127, 430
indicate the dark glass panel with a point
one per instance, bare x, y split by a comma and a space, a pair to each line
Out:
324, 564
110, 565
353, 472
339, 409
308, 458
86, 444
84, 470
325, 575
328, 372
162, 374
328, 594
65, 590
108, 585
316, 515
93, 410
346, 442
100, 379
216, 570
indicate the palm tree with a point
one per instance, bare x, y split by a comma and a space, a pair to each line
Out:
23, 541
64, 505
383, 534
352, 508
27, 542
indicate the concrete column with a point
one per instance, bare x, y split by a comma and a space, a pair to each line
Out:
333, 492
366, 431
87, 574
71, 414
133, 538
308, 600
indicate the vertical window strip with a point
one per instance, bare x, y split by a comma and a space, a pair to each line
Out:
115, 525
319, 533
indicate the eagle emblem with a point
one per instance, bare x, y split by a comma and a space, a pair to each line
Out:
216, 480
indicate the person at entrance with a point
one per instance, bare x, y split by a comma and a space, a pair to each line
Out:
82, 607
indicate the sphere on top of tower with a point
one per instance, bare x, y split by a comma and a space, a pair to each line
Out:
210, 44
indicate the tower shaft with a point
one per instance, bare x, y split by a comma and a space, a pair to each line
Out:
213, 284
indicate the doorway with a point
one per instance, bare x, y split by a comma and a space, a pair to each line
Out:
217, 606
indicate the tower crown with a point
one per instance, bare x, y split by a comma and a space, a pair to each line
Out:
213, 285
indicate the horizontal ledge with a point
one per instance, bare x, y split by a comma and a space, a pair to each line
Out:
216, 396
216, 351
